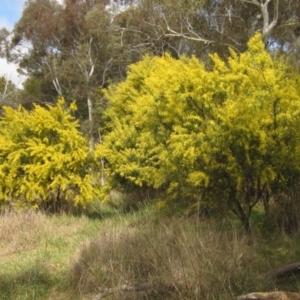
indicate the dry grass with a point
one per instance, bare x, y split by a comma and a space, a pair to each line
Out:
180, 259
36, 250
71, 258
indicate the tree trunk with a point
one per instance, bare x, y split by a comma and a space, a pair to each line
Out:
240, 213
90, 109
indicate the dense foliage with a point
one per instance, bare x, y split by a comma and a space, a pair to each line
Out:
44, 159
227, 137
220, 133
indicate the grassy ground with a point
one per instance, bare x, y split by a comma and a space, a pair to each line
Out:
36, 252
66, 257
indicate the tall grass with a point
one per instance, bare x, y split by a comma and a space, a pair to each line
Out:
171, 258
140, 255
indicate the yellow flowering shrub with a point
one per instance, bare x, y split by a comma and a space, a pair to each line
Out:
44, 158
227, 136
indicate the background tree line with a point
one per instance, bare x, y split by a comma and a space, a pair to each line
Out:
77, 47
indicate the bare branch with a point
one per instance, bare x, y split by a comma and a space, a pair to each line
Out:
92, 65
254, 2
267, 26
181, 34
105, 71
8, 92
104, 292
275, 18
193, 36
55, 80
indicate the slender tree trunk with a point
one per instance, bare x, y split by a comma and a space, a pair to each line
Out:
247, 226
90, 110
102, 162
245, 218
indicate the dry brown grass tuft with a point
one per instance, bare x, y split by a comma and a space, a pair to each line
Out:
179, 260
21, 232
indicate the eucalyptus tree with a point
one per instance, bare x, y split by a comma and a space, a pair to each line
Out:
69, 51
9, 93
78, 46
203, 26
37, 32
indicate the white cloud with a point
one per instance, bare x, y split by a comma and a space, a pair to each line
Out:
9, 71
12, 13
4, 22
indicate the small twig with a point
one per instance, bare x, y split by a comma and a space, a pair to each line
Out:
138, 287
104, 292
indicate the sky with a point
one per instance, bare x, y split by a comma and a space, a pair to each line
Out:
10, 13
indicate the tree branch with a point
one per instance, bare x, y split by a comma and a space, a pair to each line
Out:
181, 34
194, 37
105, 71
267, 26
55, 80
287, 270
104, 292
138, 287
254, 2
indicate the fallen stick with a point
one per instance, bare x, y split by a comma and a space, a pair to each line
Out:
138, 287
278, 295
287, 270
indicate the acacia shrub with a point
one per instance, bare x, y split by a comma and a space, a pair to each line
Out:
44, 160
226, 137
